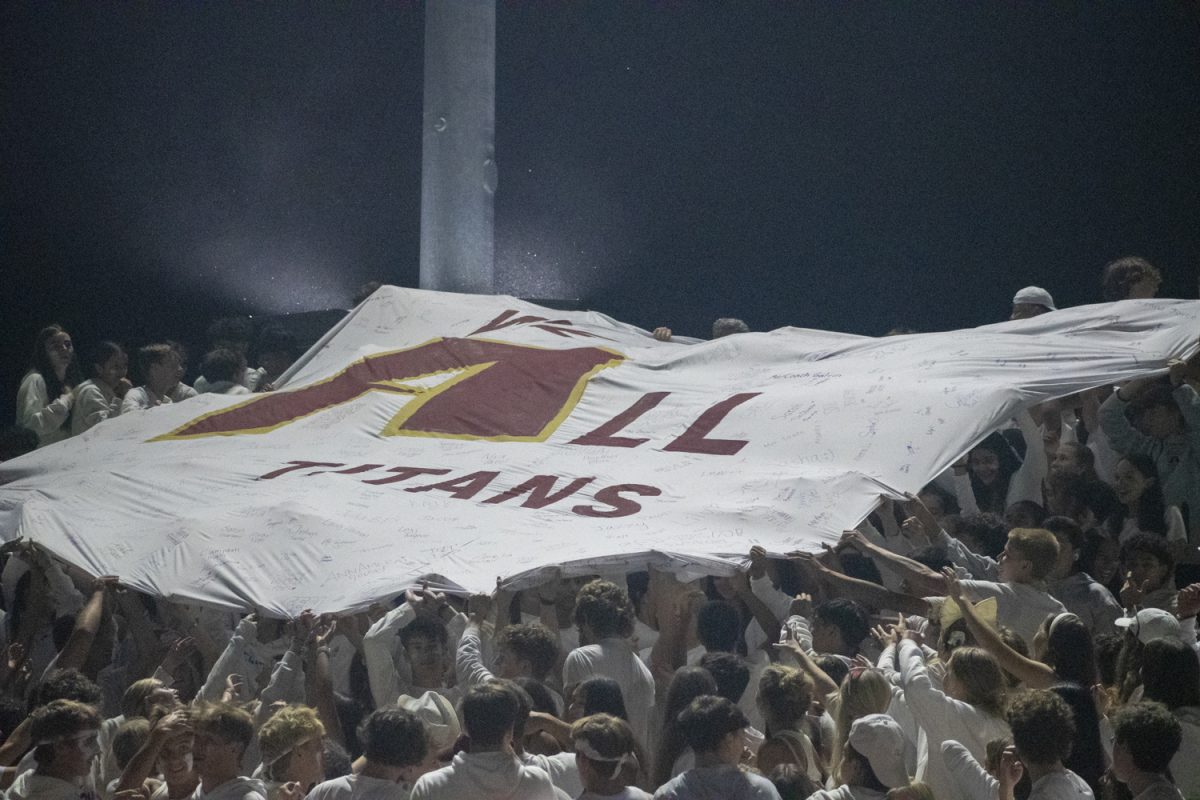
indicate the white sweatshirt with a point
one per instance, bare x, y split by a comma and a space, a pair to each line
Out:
485, 776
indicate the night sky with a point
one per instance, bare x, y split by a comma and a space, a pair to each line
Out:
842, 166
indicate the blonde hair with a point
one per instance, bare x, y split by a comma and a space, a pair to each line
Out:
135, 701
862, 693
981, 677
784, 694
287, 729
1036, 545
916, 790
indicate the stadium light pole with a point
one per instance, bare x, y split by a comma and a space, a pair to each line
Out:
458, 169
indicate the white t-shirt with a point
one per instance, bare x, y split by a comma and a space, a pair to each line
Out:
616, 659
1061, 785
359, 787
485, 776
628, 793
1019, 606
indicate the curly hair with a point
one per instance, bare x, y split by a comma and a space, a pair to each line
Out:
1150, 733
394, 737
1118, 276
534, 643
56, 720
605, 608
1043, 726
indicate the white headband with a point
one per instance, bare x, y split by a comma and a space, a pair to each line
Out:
584, 746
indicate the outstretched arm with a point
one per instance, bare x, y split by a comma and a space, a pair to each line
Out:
1034, 674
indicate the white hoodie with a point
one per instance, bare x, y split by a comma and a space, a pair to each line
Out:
1185, 766
485, 776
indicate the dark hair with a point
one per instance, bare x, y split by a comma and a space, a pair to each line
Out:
534, 643
129, 738
834, 667
993, 497
152, 354
600, 695
718, 626
1151, 507
56, 720
605, 608
1094, 541
221, 365
425, 627
12, 713
792, 783
489, 712
1108, 650
540, 697
1068, 529
933, 556
67, 684
1119, 276
99, 355
730, 672
1069, 650
275, 340
1150, 544
849, 617
1043, 726
1087, 758
988, 529
949, 501
227, 722
394, 737
707, 720
337, 759
1151, 734
43, 366
1034, 511
1171, 673
686, 685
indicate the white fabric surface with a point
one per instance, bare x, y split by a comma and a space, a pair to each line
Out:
492, 397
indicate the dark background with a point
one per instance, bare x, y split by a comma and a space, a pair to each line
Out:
841, 166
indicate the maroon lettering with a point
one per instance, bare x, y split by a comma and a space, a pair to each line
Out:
604, 435
404, 473
694, 438
493, 390
463, 488
360, 469
297, 465
540, 489
620, 506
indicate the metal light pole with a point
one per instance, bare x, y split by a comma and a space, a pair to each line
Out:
458, 170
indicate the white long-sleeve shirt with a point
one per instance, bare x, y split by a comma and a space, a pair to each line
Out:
94, 403
615, 658
942, 719
40, 413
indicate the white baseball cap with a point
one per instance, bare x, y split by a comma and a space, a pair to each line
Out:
1152, 623
878, 738
1034, 296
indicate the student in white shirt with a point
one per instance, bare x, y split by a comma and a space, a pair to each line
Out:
44, 400
605, 617
397, 753
159, 365
224, 372
1170, 674
607, 759
489, 769
715, 730
1043, 731
100, 396
1142, 508
1146, 738
64, 734
968, 709
873, 762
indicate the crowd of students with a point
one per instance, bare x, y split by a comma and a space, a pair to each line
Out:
1024, 627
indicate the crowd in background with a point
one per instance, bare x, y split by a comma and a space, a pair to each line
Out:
1023, 627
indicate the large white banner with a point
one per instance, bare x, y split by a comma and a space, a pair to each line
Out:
474, 437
